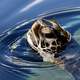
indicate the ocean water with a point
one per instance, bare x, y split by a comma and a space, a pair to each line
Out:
19, 62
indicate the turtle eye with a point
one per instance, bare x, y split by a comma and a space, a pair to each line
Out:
49, 35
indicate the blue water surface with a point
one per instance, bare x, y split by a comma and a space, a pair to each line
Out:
19, 62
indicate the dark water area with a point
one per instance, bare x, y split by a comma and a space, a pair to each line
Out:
19, 62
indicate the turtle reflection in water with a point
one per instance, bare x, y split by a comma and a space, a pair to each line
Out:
48, 39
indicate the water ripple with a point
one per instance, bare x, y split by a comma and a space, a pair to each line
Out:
17, 57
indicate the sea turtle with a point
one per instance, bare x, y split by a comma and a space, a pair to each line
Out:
48, 38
